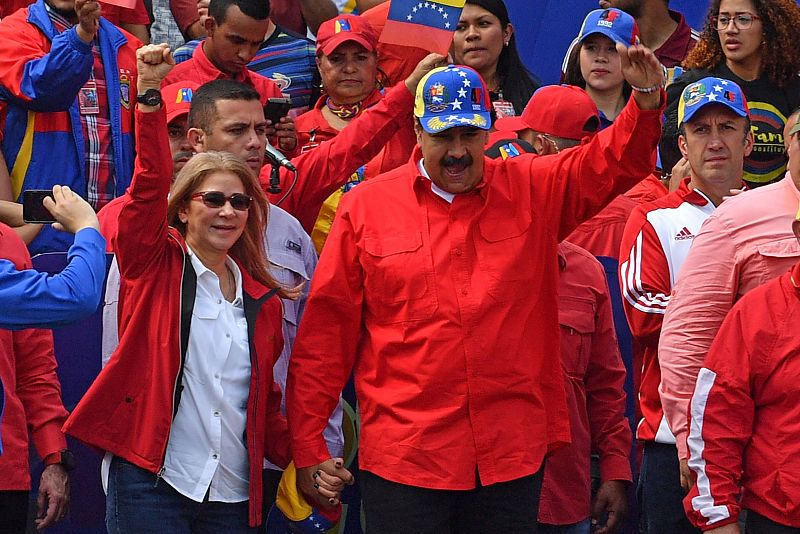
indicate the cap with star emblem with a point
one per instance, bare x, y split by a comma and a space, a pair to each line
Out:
452, 96
711, 91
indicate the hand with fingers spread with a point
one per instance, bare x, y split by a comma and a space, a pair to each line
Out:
644, 73
72, 213
323, 483
88, 12
53, 501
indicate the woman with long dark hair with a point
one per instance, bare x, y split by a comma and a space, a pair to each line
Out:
753, 43
484, 40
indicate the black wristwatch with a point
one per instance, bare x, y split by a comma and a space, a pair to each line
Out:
66, 460
151, 97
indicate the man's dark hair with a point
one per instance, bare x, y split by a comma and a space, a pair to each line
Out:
203, 110
668, 149
257, 9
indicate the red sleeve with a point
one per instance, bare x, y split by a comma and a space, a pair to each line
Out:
39, 390
605, 393
721, 422
644, 278
576, 184
337, 291
326, 168
142, 231
277, 447
184, 12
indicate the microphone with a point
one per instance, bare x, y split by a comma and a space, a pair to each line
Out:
276, 158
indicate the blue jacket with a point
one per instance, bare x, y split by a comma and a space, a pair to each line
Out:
40, 300
41, 73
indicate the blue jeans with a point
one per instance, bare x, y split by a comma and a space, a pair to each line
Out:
660, 493
584, 527
140, 503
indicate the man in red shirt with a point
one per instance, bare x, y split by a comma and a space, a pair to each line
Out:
442, 276
236, 29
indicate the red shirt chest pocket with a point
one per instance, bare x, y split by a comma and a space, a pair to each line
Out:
576, 317
398, 278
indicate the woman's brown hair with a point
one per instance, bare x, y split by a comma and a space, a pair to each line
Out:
249, 249
779, 51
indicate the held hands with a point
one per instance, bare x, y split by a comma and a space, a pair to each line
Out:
428, 63
88, 12
641, 69
153, 63
323, 484
71, 212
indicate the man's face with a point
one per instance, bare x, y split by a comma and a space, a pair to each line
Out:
239, 128
454, 157
715, 144
631, 7
234, 42
179, 143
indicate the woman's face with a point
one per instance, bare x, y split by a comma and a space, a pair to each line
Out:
211, 231
479, 39
740, 45
600, 63
348, 73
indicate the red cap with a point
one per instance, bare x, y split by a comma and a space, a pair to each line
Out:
343, 28
560, 110
177, 98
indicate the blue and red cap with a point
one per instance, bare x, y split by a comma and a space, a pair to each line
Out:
711, 90
452, 96
613, 23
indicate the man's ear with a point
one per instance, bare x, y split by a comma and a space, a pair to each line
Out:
197, 140
749, 142
210, 25
682, 146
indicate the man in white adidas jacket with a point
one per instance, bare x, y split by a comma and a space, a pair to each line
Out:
715, 138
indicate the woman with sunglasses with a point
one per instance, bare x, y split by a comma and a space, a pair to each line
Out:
187, 403
753, 43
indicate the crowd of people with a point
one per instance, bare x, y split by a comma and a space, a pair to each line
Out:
287, 214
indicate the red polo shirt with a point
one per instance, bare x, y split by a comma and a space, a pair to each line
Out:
201, 70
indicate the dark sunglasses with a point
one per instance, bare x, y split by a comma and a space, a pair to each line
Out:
217, 199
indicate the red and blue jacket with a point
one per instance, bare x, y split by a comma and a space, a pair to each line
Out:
41, 72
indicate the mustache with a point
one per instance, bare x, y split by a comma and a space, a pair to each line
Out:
465, 160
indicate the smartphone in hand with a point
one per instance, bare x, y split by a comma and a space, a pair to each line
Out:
277, 108
33, 210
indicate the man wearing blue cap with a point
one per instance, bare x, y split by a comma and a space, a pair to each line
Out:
715, 137
438, 289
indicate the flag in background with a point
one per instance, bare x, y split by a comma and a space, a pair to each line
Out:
429, 25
